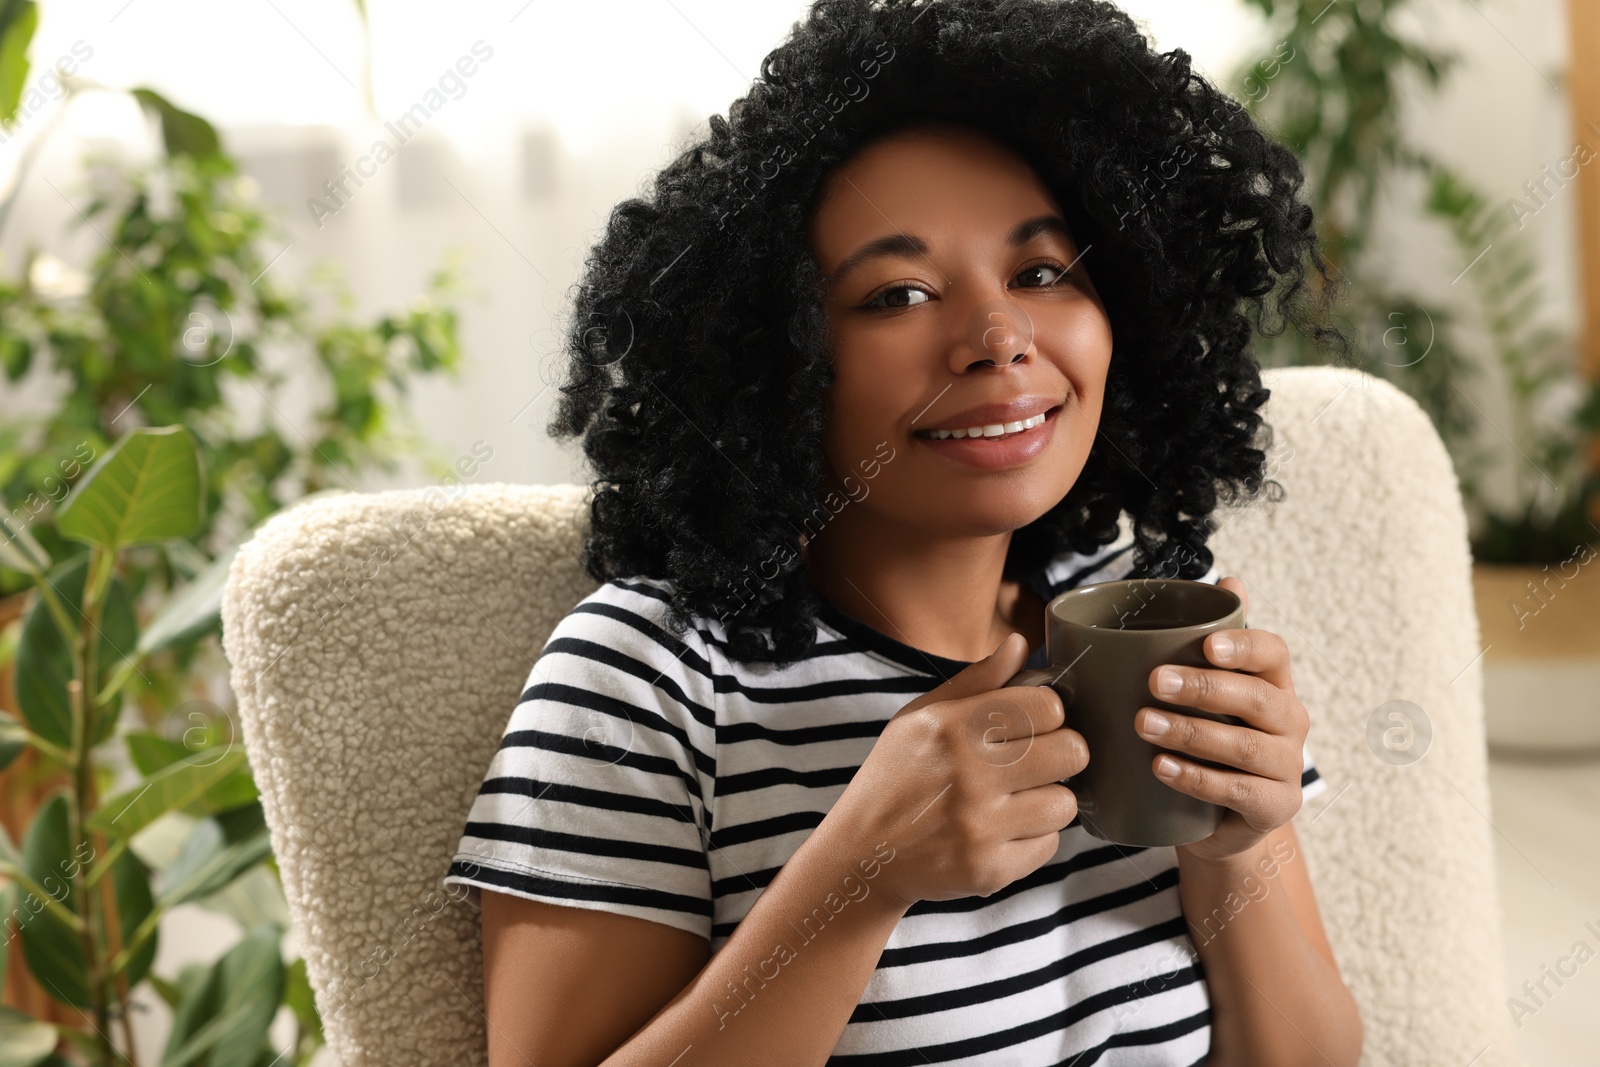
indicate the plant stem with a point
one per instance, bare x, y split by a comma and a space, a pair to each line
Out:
83, 788
85, 718
60, 755
113, 939
25, 882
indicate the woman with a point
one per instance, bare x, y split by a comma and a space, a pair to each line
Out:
754, 806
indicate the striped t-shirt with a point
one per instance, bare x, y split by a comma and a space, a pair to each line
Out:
651, 776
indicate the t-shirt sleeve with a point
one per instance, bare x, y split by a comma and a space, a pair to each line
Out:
596, 797
1312, 784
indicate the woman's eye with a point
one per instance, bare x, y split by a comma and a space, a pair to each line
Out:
893, 289
888, 298
1059, 272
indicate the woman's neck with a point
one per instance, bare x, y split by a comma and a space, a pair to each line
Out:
945, 596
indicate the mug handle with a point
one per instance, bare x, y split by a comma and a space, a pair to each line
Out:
1056, 679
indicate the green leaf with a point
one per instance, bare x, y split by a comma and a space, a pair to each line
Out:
130, 881
13, 741
171, 993
183, 133
24, 1042
148, 488
223, 1021
53, 950
233, 791
168, 789
193, 611
17, 23
242, 823
19, 550
216, 853
253, 898
51, 947
44, 654
151, 752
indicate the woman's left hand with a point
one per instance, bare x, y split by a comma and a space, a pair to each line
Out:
1252, 682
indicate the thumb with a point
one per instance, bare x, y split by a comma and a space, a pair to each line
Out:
985, 675
1236, 585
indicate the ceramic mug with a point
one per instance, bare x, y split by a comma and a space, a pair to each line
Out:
1104, 640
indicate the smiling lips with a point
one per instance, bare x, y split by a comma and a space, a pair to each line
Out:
993, 429
994, 445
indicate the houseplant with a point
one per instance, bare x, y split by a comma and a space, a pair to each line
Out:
1333, 90
169, 326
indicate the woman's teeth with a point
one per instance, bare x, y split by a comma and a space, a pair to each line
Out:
994, 429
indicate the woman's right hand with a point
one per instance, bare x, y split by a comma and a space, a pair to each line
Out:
964, 784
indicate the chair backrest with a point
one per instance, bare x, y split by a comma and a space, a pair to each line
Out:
379, 641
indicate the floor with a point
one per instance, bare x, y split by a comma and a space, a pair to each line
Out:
1547, 851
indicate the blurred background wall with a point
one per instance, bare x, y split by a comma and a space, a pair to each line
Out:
576, 107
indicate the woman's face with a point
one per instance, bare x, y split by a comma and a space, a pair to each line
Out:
942, 288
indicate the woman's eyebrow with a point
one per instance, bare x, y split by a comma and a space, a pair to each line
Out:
907, 246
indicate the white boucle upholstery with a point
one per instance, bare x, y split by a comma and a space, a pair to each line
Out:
378, 643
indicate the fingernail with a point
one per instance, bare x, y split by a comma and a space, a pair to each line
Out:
1168, 682
1166, 767
1156, 724
1222, 646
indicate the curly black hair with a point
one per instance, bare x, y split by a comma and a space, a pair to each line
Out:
698, 354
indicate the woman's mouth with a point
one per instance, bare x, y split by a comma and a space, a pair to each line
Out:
995, 431
996, 446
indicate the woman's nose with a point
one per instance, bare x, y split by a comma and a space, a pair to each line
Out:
992, 363
996, 333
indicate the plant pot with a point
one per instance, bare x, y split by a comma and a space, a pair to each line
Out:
1541, 670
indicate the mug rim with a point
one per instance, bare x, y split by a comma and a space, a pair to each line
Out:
1096, 590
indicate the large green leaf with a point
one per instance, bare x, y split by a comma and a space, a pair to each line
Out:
148, 488
217, 852
18, 19
44, 654
223, 1020
151, 752
168, 789
24, 1042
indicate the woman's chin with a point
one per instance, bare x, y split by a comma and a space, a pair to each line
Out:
977, 521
